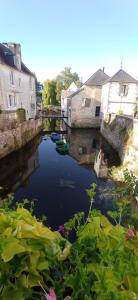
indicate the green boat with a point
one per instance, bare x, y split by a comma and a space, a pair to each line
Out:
60, 142
63, 149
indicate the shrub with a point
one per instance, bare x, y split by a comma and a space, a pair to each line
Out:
101, 264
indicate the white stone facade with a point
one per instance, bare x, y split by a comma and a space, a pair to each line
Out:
17, 89
119, 98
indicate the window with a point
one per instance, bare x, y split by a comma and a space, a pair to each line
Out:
31, 83
19, 82
12, 101
97, 111
11, 77
32, 106
86, 102
123, 91
94, 144
82, 150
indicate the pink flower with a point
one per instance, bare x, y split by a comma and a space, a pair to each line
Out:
61, 229
131, 233
51, 295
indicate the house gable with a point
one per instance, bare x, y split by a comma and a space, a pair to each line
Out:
97, 79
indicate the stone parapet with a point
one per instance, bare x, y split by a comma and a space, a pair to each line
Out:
13, 140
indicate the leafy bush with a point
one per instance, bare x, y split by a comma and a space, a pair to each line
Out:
27, 251
21, 114
101, 264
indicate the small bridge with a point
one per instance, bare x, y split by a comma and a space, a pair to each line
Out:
57, 131
53, 117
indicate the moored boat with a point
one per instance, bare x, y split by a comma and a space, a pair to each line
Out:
55, 136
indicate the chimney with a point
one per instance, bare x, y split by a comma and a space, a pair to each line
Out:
16, 49
103, 69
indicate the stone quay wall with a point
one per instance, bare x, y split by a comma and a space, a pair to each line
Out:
14, 139
122, 133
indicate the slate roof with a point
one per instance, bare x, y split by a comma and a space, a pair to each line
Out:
75, 93
97, 79
7, 57
122, 76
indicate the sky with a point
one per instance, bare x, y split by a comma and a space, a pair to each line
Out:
84, 35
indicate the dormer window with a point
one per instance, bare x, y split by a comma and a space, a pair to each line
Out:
123, 91
11, 77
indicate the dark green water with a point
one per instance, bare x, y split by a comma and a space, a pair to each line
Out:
58, 182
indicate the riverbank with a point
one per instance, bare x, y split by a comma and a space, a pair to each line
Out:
121, 133
14, 139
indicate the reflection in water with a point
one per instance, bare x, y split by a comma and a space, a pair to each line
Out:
16, 168
91, 150
59, 182
51, 124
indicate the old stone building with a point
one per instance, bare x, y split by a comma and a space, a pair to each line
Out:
17, 82
65, 100
83, 109
120, 94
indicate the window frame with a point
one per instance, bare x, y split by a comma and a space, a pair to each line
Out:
97, 112
85, 103
12, 79
12, 101
123, 90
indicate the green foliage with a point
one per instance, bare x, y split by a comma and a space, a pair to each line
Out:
52, 88
59, 88
66, 77
51, 124
49, 93
101, 264
123, 195
27, 251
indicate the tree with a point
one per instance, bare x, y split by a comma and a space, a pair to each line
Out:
66, 77
49, 93
59, 88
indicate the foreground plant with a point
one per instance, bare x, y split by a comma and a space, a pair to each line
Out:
36, 263
27, 251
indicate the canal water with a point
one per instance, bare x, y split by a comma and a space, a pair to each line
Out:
57, 183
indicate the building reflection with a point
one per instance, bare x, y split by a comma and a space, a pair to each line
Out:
15, 169
91, 150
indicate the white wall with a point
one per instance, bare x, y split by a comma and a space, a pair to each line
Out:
24, 92
112, 102
104, 97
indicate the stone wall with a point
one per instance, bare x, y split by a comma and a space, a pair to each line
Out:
81, 115
10, 120
122, 133
12, 140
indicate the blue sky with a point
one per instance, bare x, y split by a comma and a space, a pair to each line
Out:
85, 35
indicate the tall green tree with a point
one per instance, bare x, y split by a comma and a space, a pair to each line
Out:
49, 93
59, 88
66, 77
